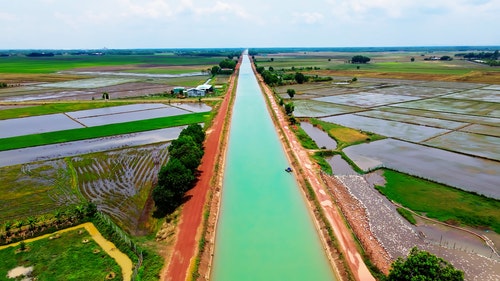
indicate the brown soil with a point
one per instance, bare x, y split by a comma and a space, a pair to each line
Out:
491, 77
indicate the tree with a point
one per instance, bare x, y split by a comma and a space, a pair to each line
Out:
195, 131
300, 78
187, 151
291, 93
289, 108
174, 179
412, 59
360, 59
423, 266
215, 69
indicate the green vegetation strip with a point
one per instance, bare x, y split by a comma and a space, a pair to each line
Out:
72, 256
52, 108
442, 202
101, 131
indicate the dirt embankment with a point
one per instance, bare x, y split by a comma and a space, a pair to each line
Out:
190, 229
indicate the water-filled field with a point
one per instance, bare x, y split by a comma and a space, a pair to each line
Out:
321, 138
466, 172
94, 117
88, 83
314, 108
367, 99
399, 130
412, 119
54, 151
475, 144
36, 125
118, 181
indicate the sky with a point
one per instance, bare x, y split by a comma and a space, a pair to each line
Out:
122, 24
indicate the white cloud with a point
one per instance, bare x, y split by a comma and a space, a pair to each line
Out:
307, 17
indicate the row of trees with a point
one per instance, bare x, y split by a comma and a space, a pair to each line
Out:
226, 66
179, 174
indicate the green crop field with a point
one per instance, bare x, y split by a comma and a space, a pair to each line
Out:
40, 65
429, 198
64, 258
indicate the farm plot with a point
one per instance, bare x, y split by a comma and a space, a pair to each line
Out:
321, 138
313, 108
193, 107
482, 130
114, 110
412, 119
452, 85
35, 189
131, 116
488, 121
477, 94
366, 99
119, 182
88, 83
465, 172
468, 107
36, 125
54, 151
414, 91
474, 144
399, 130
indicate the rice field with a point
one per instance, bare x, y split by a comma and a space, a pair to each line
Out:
119, 181
88, 83
314, 108
455, 169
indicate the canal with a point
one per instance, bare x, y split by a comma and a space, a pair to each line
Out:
264, 231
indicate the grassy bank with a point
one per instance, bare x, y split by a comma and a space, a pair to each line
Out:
101, 131
441, 202
72, 256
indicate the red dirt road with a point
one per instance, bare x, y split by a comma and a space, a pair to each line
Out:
192, 212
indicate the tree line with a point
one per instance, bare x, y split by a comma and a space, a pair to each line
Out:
179, 174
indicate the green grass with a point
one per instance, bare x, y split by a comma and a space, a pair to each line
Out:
65, 258
22, 64
442, 202
101, 131
345, 136
407, 215
52, 108
304, 139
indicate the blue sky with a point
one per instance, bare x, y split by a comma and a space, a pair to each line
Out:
90, 24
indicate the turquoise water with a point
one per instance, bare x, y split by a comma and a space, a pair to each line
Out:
265, 231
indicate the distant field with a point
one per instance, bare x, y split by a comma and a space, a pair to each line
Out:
40, 65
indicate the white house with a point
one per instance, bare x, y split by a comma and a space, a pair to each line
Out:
195, 92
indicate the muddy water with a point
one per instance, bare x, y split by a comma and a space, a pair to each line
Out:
265, 231
340, 166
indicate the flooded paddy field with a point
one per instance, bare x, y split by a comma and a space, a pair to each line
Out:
94, 117
366, 99
465, 172
313, 108
89, 83
490, 121
36, 125
417, 120
464, 107
399, 130
475, 144
54, 151
321, 138
477, 94
414, 91
119, 181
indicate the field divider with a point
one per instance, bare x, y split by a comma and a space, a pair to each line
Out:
75, 120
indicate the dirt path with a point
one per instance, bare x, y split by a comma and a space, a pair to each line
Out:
191, 218
123, 260
343, 235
